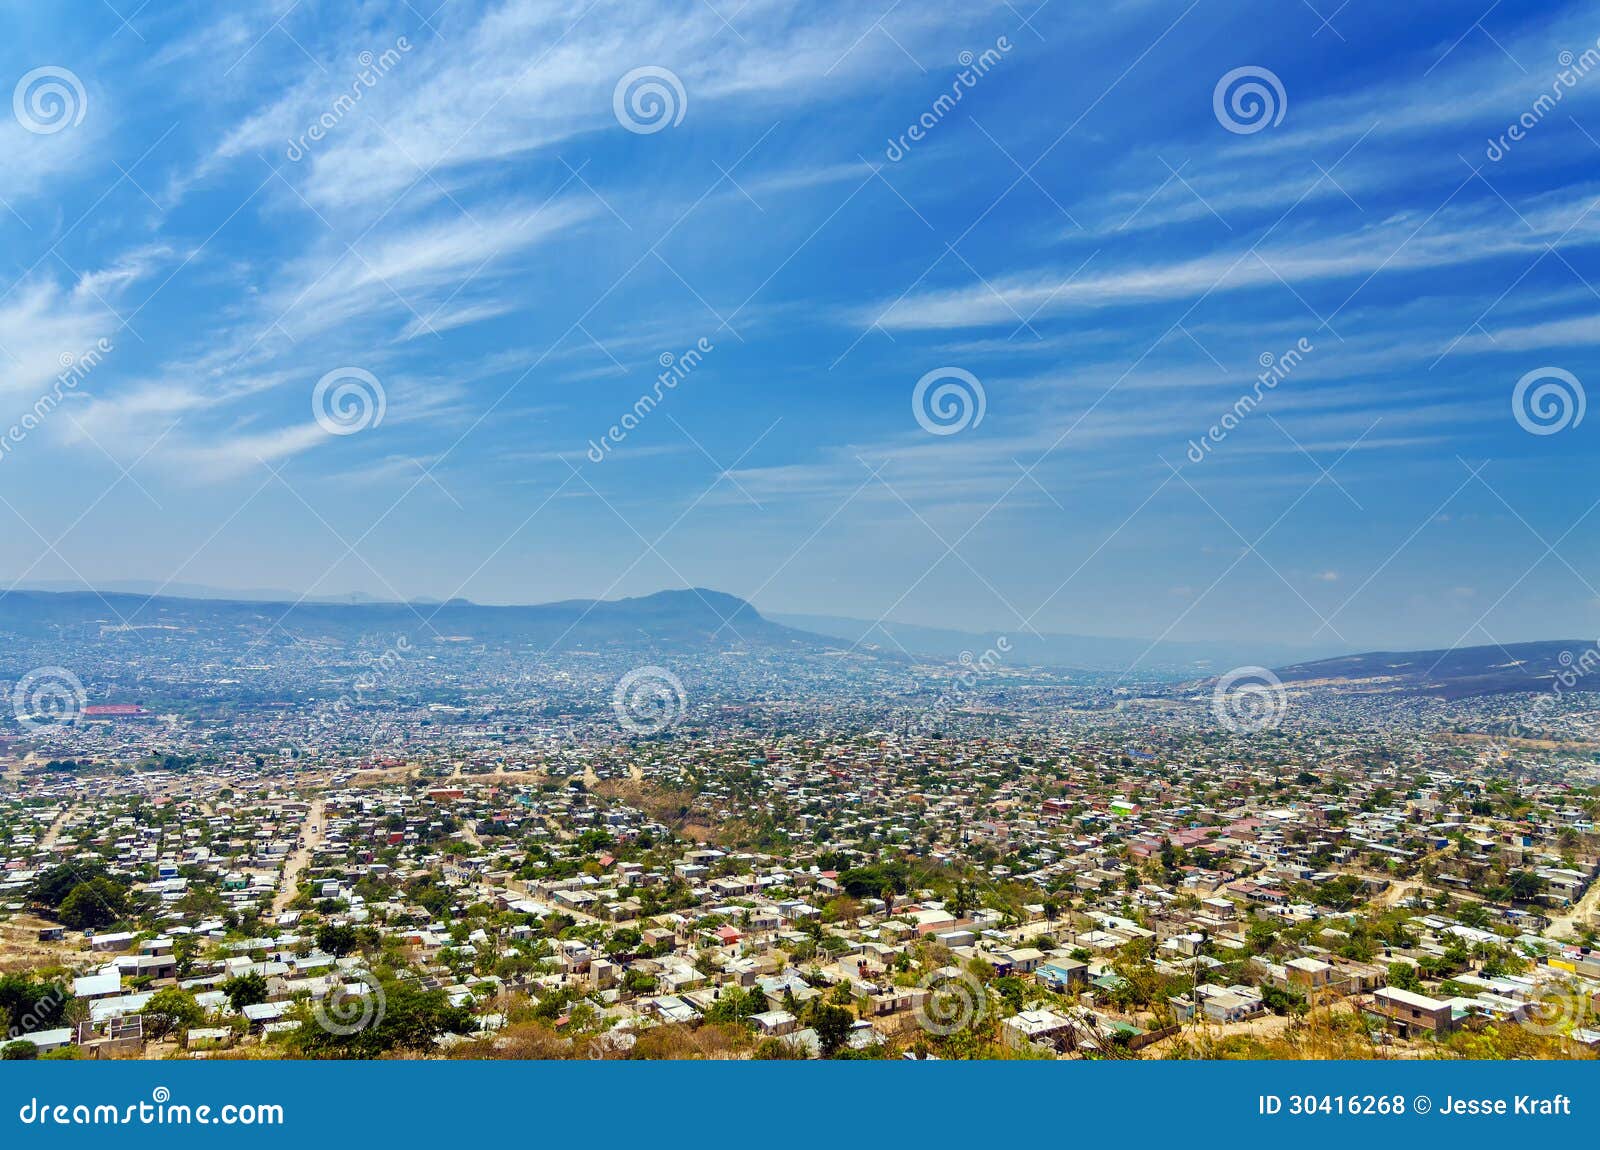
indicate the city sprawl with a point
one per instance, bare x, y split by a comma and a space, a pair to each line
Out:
259, 844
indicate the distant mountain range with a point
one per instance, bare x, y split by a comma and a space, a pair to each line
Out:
681, 619
699, 620
1458, 673
692, 620
147, 587
1082, 652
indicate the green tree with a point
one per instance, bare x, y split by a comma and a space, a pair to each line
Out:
28, 1004
336, 939
1473, 914
399, 1015
171, 1010
639, 982
245, 989
185, 949
1281, 1001
1011, 991
1403, 976
832, 1024
624, 940
52, 886
777, 1049
736, 1005
1524, 885
93, 904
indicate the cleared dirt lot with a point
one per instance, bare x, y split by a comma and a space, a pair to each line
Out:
20, 948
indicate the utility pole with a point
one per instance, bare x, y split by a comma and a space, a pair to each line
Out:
1194, 993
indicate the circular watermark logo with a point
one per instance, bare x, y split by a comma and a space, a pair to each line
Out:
1249, 99
1249, 699
47, 698
1556, 1008
948, 400
348, 400
49, 100
342, 1010
955, 1000
1548, 400
648, 99
648, 700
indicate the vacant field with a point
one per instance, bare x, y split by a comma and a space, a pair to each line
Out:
20, 948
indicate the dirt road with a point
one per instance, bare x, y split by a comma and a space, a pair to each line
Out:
54, 832
1566, 923
313, 836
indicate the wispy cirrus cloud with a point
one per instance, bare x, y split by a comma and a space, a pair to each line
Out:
524, 77
416, 267
44, 323
1408, 241
1573, 331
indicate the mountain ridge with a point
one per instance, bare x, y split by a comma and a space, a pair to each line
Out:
1069, 651
695, 618
1458, 672
698, 619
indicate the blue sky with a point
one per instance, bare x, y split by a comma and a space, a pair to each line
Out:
1093, 232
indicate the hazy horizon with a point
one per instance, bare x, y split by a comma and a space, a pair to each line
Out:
1308, 651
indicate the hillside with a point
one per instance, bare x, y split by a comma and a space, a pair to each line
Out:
687, 620
1081, 652
1456, 673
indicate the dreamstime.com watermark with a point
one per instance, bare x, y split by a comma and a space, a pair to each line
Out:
159, 1110
349, 1008
953, 1000
378, 668
1560, 1007
1548, 400
373, 69
1248, 700
948, 400
74, 370
1574, 669
1248, 99
1573, 69
49, 100
973, 69
674, 370
348, 400
48, 699
45, 1009
1276, 369
973, 669
649, 99
649, 700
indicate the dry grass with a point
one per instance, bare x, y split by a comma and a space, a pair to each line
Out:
1338, 1032
21, 950
537, 1042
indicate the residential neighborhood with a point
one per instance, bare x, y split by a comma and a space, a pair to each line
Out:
1127, 885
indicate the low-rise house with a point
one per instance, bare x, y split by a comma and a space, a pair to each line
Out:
1409, 1013
1036, 1026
